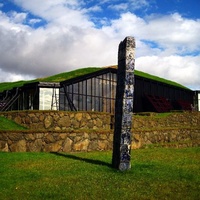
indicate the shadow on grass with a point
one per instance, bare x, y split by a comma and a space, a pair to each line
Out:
92, 161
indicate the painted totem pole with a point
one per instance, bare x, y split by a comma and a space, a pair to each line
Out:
121, 158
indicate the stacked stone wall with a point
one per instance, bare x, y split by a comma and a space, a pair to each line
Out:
58, 141
182, 119
70, 140
75, 133
59, 120
171, 137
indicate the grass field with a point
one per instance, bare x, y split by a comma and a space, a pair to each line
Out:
157, 173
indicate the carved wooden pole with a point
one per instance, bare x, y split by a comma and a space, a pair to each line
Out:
121, 158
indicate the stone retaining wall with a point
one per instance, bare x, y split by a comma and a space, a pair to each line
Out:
182, 119
55, 141
166, 137
70, 140
60, 120
90, 131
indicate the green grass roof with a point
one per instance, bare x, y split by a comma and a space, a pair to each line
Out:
156, 78
79, 72
55, 78
68, 75
9, 85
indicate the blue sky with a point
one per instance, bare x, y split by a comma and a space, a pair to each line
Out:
41, 38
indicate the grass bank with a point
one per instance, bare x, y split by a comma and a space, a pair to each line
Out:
6, 124
155, 174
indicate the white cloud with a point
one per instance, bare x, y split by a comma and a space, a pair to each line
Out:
169, 31
59, 12
17, 17
95, 8
121, 6
34, 21
53, 49
184, 70
11, 77
69, 40
135, 4
128, 5
173, 30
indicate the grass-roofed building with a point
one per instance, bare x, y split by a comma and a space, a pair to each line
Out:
93, 89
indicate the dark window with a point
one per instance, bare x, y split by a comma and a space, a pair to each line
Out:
94, 94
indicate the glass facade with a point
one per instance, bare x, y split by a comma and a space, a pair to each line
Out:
92, 94
49, 99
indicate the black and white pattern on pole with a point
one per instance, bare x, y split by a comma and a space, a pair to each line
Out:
125, 146
124, 105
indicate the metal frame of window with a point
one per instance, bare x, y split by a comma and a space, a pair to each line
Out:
95, 93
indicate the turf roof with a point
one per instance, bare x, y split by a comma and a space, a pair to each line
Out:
79, 72
55, 78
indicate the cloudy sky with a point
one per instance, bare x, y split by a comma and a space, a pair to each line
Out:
45, 37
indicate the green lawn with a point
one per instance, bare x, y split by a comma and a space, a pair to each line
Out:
157, 173
6, 124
